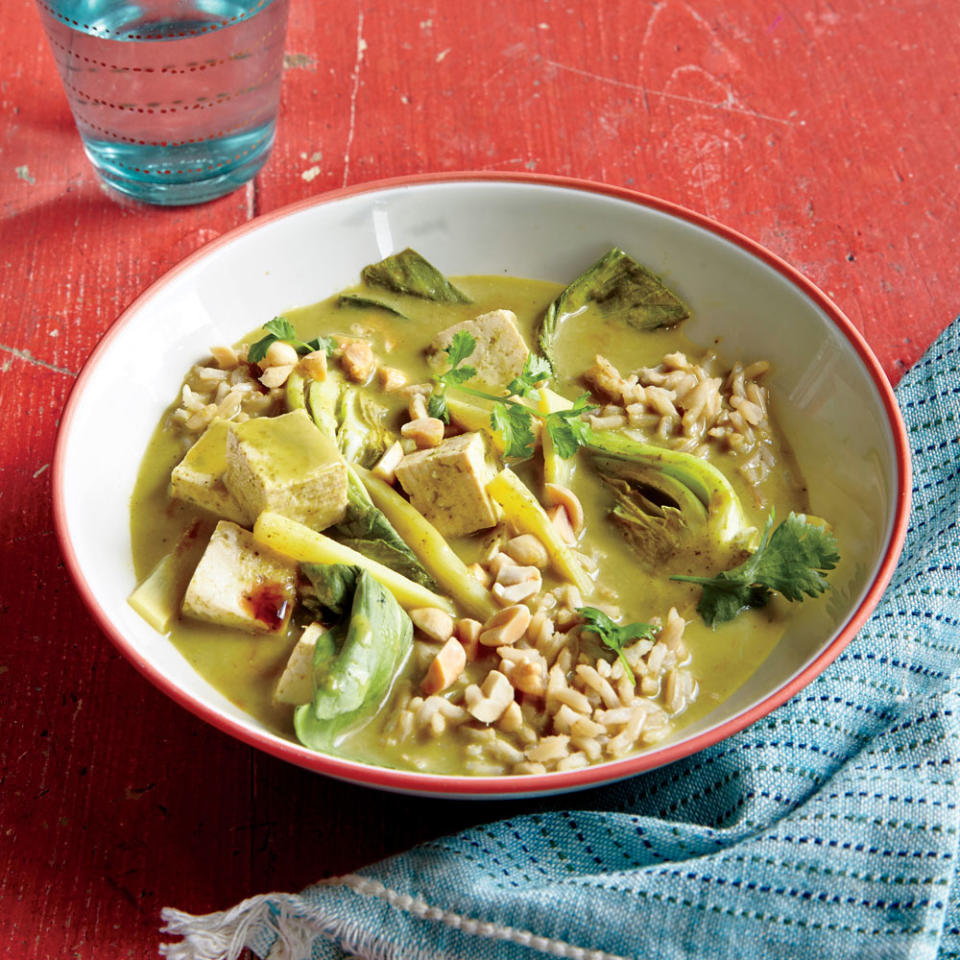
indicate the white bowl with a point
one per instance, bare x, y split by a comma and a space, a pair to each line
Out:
833, 402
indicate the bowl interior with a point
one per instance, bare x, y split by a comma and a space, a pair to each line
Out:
828, 400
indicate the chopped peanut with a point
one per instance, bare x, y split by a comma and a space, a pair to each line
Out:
279, 354
555, 494
505, 627
530, 677
511, 719
477, 571
468, 633
527, 550
489, 702
516, 593
314, 365
276, 376
508, 575
445, 668
391, 379
561, 520
425, 432
417, 407
434, 623
358, 361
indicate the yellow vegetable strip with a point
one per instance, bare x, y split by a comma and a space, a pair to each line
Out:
158, 598
523, 510
555, 468
471, 416
304, 545
431, 548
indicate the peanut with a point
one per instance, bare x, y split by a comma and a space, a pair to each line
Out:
445, 668
434, 623
505, 627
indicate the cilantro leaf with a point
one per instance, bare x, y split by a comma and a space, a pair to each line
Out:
437, 407
257, 351
327, 344
536, 369
616, 637
281, 328
567, 428
461, 346
457, 375
790, 561
515, 424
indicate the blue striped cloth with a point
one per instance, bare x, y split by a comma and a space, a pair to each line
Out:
827, 830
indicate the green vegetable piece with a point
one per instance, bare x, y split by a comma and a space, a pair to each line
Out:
367, 530
790, 561
621, 289
657, 515
372, 645
333, 587
362, 434
360, 302
727, 524
616, 637
322, 398
437, 407
409, 273
295, 392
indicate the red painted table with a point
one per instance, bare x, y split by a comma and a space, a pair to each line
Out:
828, 132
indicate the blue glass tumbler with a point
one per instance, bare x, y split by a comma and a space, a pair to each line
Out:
175, 100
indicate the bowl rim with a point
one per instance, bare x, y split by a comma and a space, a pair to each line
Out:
480, 787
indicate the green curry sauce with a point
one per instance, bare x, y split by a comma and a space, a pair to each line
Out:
245, 668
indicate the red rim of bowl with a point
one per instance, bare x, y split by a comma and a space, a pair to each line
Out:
527, 785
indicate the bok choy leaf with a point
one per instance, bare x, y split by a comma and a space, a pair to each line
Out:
354, 670
409, 273
621, 289
666, 498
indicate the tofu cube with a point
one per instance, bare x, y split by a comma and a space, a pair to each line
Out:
285, 464
198, 477
500, 352
296, 682
448, 484
239, 583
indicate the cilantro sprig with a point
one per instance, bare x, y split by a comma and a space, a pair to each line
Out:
616, 637
510, 418
280, 328
790, 560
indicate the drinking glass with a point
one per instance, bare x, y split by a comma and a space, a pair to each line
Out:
175, 100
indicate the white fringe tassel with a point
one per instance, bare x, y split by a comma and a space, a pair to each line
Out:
222, 936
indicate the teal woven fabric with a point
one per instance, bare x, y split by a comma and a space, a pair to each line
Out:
826, 830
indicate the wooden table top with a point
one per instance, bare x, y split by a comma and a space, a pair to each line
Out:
828, 132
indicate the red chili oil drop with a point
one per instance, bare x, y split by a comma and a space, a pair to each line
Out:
268, 603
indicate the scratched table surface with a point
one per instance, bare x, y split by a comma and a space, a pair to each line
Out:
828, 132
